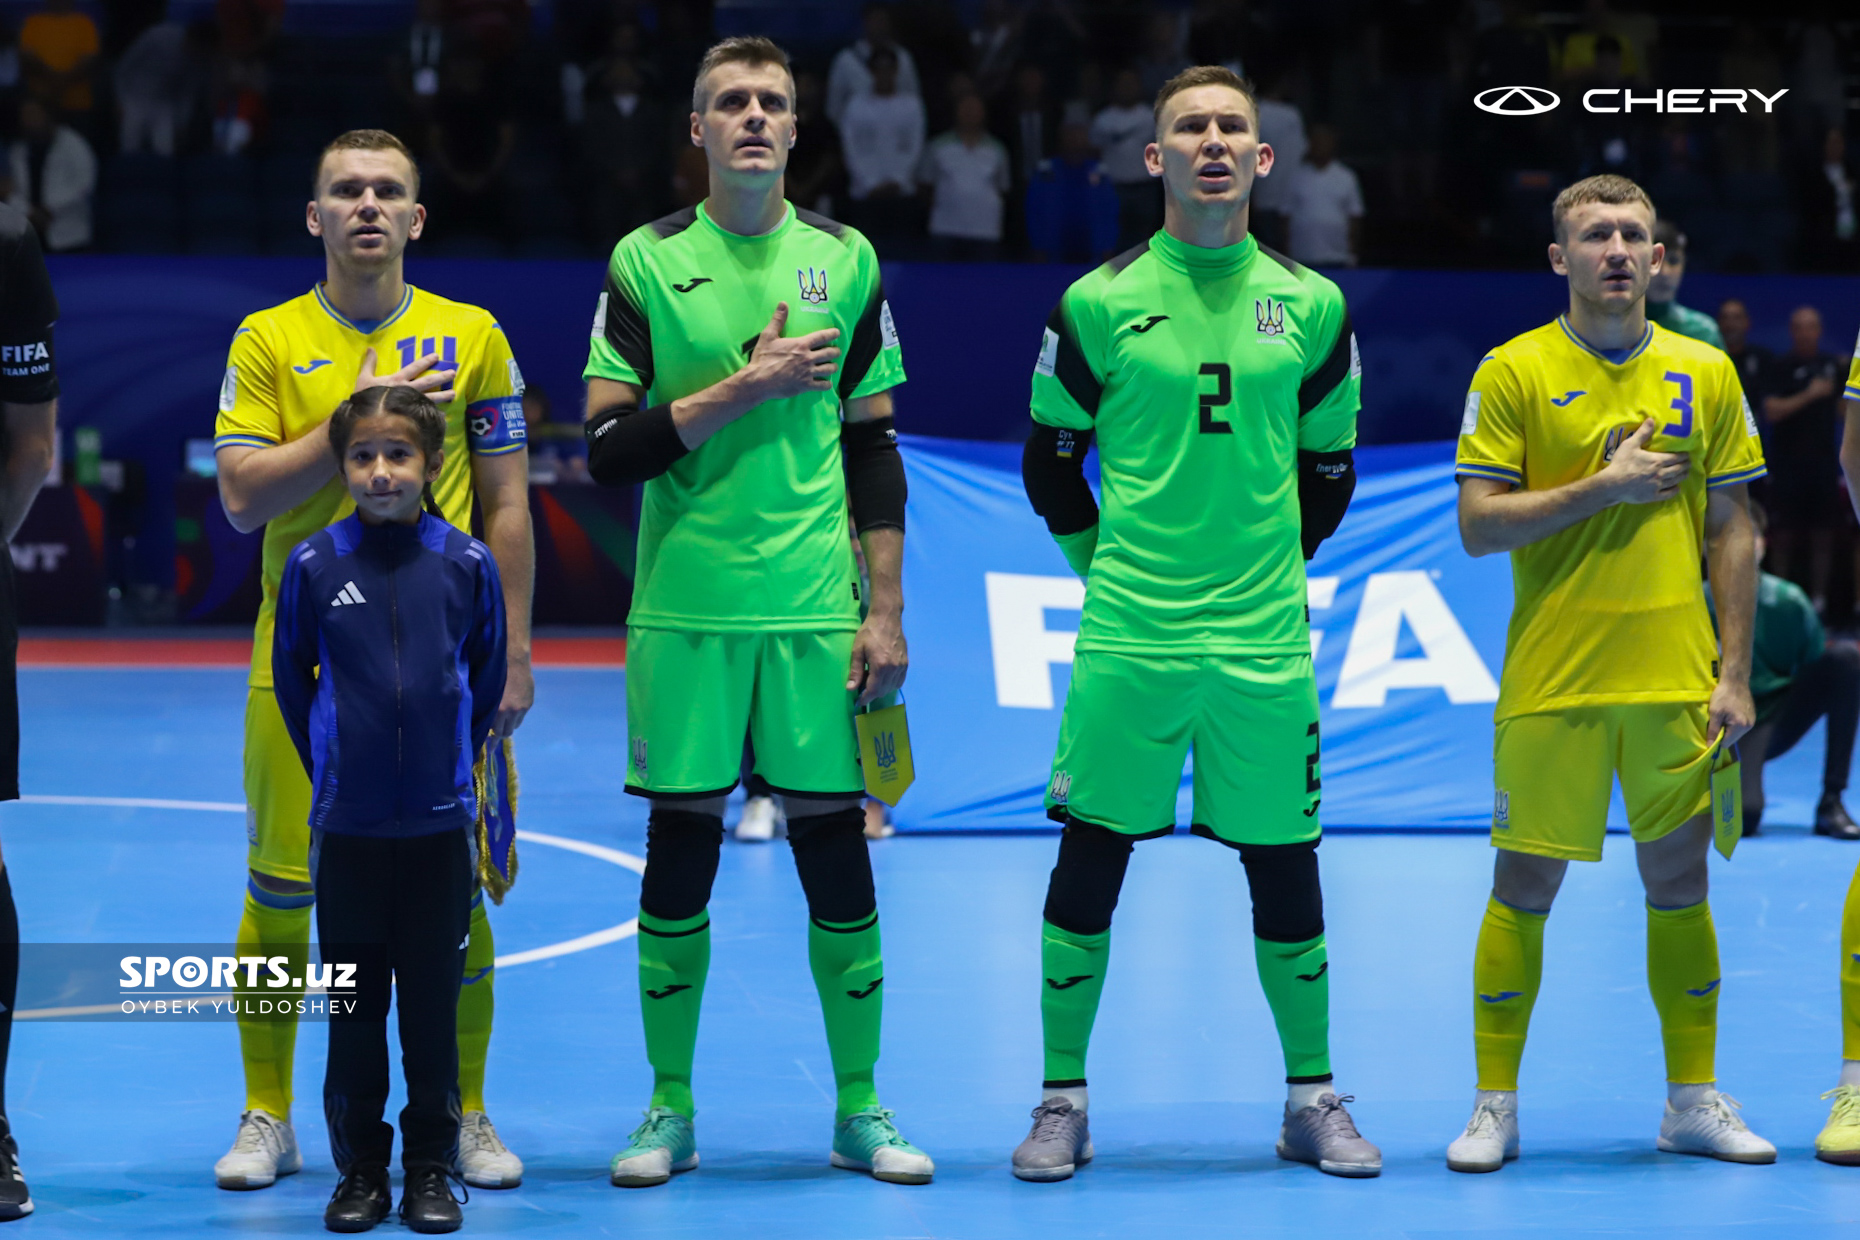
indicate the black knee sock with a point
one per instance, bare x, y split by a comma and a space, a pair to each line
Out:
9, 976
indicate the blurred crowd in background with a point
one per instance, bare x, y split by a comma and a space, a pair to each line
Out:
958, 129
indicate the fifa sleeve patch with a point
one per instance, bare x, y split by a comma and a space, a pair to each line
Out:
496, 426
1750, 419
599, 330
1049, 354
229, 389
1469, 420
887, 329
1356, 359
516, 376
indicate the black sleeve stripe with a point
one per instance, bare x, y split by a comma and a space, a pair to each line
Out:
1324, 380
862, 350
628, 332
1070, 368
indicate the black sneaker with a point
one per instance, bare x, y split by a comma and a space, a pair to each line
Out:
427, 1204
15, 1201
1833, 820
361, 1200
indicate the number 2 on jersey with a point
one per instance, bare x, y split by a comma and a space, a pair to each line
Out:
1223, 394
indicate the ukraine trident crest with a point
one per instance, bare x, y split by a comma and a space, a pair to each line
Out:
813, 287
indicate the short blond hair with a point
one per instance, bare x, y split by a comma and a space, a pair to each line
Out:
1204, 75
365, 140
748, 49
1608, 188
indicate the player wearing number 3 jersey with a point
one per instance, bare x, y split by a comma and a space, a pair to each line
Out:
1607, 455
1220, 382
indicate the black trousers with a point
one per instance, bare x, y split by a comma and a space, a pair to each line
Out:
399, 909
1830, 687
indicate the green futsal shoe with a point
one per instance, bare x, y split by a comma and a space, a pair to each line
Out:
867, 1141
665, 1143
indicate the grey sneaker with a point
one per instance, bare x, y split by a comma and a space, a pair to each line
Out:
1059, 1144
1324, 1135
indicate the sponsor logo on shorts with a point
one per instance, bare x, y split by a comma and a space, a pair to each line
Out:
1061, 787
639, 755
1501, 810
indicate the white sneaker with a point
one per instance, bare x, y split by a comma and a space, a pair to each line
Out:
265, 1149
484, 1162
1715, 1129
1490, 1140
757, 825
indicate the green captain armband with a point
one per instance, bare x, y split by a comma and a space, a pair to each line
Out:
1078, 548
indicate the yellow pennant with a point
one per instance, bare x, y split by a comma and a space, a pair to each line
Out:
1727, 801
885, 752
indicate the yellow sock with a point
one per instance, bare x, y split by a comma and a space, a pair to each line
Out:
1682, 973
1850, 971
1508, 967
268, 1044
476, 1005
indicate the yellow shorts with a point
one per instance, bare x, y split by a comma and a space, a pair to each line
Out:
277, 794
1555, 770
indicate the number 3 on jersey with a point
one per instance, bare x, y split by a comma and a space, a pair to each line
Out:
1681, 402
1223, 394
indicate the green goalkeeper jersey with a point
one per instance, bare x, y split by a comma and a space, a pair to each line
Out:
1202, 373
748, 531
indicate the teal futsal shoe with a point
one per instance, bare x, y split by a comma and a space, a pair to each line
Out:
867, 1141
665, 1143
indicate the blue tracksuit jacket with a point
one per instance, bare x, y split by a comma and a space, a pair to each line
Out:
388, 662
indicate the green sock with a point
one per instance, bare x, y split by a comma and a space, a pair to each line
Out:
849, 973
674, 957
1073, 965
1296, 979
476, 1006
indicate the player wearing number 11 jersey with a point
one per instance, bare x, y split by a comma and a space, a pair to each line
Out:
1221, 384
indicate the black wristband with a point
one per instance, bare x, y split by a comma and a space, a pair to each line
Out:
1326, 480
875, 485
627, 444
1052, 468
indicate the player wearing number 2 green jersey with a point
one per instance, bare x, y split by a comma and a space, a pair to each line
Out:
1220, 383
741, 367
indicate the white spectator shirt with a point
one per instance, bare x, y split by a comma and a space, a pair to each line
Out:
1282, 127
1120, 134
882, 138
969, 183
1321, 203
849, 77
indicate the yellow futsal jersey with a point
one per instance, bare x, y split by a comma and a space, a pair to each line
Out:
292, 365
1853, 374
1611, 609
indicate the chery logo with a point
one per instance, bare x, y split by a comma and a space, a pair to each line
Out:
1535, 100
1516, 100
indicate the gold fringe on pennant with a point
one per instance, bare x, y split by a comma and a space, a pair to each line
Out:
489, 877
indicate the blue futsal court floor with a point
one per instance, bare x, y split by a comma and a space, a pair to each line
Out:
120, 1123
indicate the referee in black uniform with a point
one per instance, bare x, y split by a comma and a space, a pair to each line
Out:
28, 424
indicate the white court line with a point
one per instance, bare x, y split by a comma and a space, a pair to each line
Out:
568, 947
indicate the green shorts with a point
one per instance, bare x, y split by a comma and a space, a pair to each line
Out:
1132, 720
691, 699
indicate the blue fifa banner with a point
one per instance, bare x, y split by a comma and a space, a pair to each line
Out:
1408, 633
